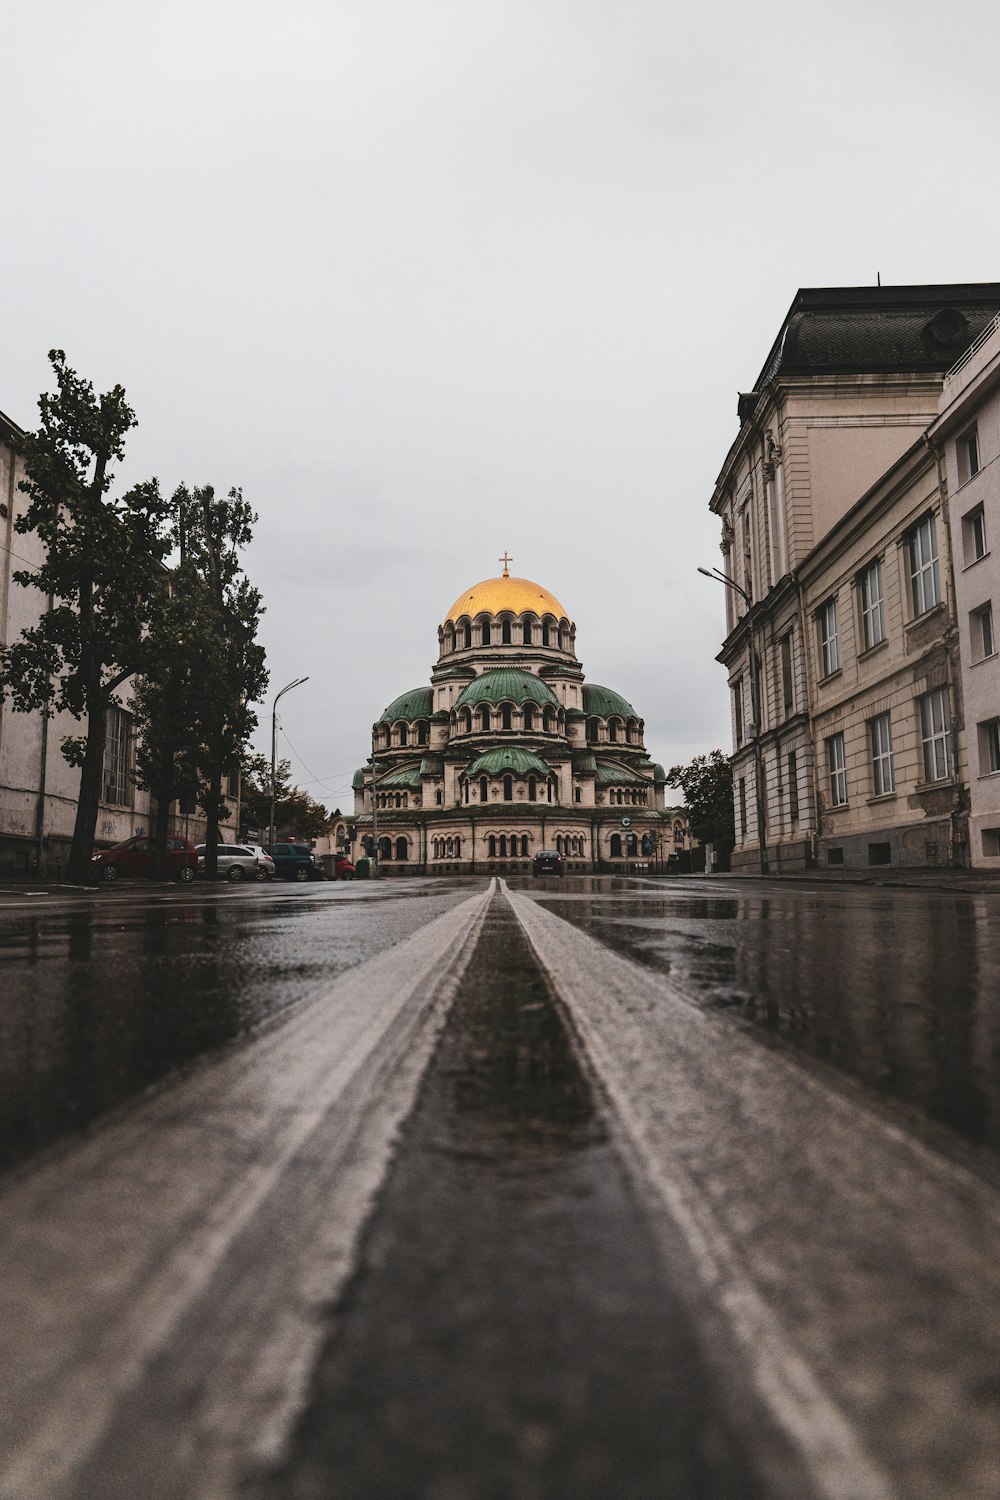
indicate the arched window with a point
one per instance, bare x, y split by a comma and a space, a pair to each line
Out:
385, 848
491, 847
465, 792
484, 789
548, 720
465, 721
467, 636
505, 716
546, 633
593, 730
484, 632
422, 732
559, 843
439, 795
402, 849
616, 846
404, 735
524, 846
508, 789
505, 632
484, 718
458, 846
529, 716
549, 790
502, 849
532, 789
613, 730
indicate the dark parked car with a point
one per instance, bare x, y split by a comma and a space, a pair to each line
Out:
295, 862
547, 862
135, 857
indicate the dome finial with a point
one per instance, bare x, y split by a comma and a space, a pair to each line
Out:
505, 560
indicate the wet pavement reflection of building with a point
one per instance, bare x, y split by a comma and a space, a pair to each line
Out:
900, 988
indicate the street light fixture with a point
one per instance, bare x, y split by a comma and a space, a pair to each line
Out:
274, 747
758, 755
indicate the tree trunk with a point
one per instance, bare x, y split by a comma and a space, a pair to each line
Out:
160, 828
211, 805
78, 871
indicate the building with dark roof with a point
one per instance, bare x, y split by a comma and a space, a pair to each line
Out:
842, 401
508, 751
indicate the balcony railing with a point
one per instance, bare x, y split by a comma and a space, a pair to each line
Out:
974, 348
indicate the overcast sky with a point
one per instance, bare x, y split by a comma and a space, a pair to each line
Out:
432, 279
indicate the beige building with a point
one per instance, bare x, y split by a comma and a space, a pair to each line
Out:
508, 750
849, 387
966, 439
38, 789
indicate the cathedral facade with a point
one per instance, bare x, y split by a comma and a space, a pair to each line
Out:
508, 751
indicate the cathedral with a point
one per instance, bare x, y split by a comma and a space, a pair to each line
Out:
508, 751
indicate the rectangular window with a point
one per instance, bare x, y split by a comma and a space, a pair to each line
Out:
880, 733
981, 634
836, 756
925, 582
738, 711
743, 808
793, 787
117, 757
934, 729
233, 784
974, 535
968, 455
989, 747
829, 648
872, 605
787, 682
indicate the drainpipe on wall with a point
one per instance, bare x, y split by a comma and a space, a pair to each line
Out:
956, 702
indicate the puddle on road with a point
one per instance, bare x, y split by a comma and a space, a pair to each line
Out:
509, 1332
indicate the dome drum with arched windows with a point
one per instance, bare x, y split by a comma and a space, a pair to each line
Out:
509, 750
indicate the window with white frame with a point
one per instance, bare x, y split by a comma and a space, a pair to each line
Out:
925, 580
974, 535
967, 452
935, 725
836, 756
118, 757
829, 648
872, 605
880, 734
989, 747
738, 711
982, 638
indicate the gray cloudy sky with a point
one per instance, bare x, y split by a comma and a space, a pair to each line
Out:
435, 278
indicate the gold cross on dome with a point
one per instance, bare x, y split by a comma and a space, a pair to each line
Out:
505, 560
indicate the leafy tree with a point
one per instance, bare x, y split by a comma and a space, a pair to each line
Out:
211, 531
707, 784
101, 572
295, 812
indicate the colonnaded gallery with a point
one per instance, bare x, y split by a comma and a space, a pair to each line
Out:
509, 750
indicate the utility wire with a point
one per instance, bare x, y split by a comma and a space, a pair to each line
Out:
316, 780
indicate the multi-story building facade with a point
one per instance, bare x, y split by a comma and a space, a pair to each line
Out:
849, 387
38, 788
966, 439
508, 750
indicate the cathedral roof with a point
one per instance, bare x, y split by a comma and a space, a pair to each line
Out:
605, 703
506, 684
514, 594
508, 758
416, 704
410, 777
610, 773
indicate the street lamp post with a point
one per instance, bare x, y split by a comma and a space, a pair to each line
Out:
758, 754
274, 749
375, 852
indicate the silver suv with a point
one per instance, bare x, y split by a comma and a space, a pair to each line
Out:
240, 862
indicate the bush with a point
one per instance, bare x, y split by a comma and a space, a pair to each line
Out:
362, 868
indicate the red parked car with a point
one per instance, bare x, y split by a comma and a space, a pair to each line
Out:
343, 869
135, 857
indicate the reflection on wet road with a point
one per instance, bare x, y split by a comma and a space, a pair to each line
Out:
899, 988
103, 997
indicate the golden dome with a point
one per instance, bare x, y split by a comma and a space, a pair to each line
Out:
496, 594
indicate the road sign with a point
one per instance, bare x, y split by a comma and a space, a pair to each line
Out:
626, 822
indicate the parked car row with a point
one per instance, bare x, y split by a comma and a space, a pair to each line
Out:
235, 862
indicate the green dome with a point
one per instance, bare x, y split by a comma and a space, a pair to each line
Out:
507, 684
659, 775
409, 777
358, 781
416, 704
605, 703
509, 758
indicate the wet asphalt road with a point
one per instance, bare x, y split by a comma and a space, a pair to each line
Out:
694, 1191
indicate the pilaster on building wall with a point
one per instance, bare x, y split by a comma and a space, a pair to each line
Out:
835, 517
38, 788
